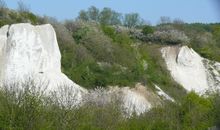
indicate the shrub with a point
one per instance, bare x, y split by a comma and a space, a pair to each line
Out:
80, 34
147, 30
72, 26
28, 17
3, 9
170, 37
199, 107
28, 108
120, 37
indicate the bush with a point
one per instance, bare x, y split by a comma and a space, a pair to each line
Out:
3, 9
118, 37
147, 30
216, 102
80, 34
28, 108
28, 17
170, 37
199, 107
72, 26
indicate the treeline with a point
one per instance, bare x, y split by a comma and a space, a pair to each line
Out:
107, 16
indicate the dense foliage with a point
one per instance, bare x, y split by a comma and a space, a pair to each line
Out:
29, 109
107, 16
146, 30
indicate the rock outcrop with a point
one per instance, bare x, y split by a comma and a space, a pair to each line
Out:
190, 70
30, 52
132, 100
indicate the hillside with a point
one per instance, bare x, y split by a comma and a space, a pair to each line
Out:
153, 67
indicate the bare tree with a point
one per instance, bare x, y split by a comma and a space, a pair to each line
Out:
83, 15
165, 20
3, 7
132, 20
22, 7
178, 21
2, 4
93, 13
105, 16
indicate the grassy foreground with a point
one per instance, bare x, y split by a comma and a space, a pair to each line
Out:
29, 109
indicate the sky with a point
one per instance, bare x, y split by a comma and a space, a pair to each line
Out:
204, 11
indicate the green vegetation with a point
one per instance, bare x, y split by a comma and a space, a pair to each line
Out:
29, 109
204, 38
95, 54
147, 30
107, 16
104, 47
105, 54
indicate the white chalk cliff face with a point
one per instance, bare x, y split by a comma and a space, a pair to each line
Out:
191, 70
138, 99
30, 52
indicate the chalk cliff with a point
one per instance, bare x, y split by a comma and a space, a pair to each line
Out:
30, 52
191, 70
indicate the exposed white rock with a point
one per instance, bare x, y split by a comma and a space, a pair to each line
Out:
217, 66
161, 93
213, 74
32, 52
188, 68
131, 100
138, 99
134, 103
3, 39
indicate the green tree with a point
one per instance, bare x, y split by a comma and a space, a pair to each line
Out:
3, 7
216, 34
132, 20
109, 17
93, 13
196, 112
116, 18
83, 15
217, 109
147, 30
105, 16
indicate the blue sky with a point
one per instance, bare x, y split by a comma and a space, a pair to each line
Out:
206, 11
